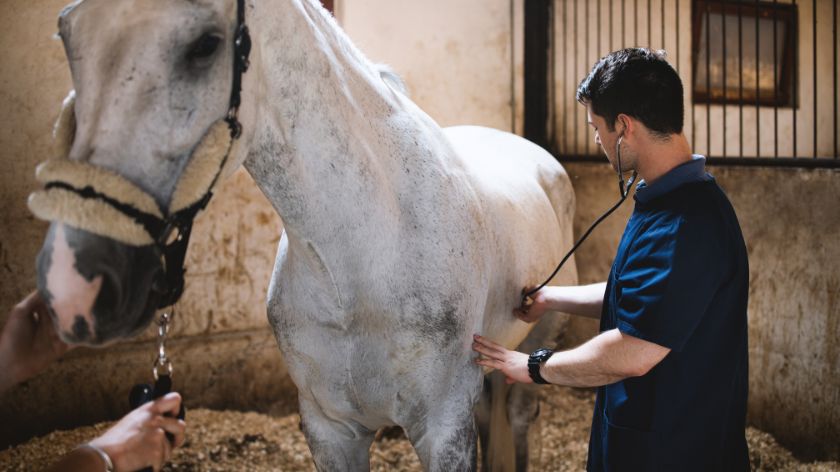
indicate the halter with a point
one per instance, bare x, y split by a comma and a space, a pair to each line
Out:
106, 204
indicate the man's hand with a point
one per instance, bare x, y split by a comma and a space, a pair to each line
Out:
139, 439
28, 343
513, 364
534, 306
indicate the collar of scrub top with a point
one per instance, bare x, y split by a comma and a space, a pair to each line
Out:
685, 173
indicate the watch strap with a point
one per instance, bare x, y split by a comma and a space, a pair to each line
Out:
535, 360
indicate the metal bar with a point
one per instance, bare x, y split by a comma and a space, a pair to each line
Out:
708, 80
815, 77
636, 23
598, 29
586, 55
565, 88
512, 66
740, 83
725, 84
691, 100
795, 79
551, 81
536, 86
649, 41
574, 68
662, 21
757, 85
775, 84
822, 163
834, 34
676, 56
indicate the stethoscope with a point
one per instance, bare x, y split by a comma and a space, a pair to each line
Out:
623, 190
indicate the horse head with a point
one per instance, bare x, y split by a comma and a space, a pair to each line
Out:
147, 133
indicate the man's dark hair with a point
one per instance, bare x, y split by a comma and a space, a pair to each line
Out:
640, 83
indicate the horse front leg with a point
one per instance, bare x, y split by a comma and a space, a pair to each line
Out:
506, 416
447, 443
335, 445
523, 408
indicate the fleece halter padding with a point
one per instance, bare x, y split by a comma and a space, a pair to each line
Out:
103, 202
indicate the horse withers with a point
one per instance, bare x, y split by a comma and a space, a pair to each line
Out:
401, 239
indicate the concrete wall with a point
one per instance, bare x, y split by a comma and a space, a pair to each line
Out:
790, 223
462, 60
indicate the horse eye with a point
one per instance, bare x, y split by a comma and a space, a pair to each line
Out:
204, 47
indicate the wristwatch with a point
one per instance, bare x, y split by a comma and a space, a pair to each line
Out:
535, 360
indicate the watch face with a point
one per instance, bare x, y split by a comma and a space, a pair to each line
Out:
541, 354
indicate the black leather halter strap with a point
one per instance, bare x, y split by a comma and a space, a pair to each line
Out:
241, 51
174, 253
170, 287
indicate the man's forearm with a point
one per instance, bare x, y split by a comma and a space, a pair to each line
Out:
580, 300
607, 358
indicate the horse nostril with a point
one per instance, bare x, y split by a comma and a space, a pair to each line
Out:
81, 329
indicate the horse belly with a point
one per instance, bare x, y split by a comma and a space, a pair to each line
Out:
528, 204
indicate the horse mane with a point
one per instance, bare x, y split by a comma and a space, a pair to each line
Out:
342, 40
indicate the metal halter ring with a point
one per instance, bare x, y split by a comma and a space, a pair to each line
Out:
162, 360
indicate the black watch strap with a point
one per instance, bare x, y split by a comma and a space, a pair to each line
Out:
535, 360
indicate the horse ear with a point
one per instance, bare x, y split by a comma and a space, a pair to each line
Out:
65, 127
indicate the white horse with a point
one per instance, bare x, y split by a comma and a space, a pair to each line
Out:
401, 239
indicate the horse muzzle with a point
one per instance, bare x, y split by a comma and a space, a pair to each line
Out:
97, 289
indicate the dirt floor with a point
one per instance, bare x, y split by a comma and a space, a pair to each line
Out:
225, 440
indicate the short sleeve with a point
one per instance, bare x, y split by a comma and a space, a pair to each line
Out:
672, 272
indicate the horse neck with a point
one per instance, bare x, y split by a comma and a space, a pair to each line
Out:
333, 143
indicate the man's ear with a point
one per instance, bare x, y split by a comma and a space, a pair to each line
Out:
625, 125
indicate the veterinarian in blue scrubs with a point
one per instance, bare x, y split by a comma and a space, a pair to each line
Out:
670, 362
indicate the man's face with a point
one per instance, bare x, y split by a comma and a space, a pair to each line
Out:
604, 137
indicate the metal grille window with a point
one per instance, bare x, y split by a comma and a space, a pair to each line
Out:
743, 52
761, 77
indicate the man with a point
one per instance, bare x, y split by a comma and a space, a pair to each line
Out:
670, 362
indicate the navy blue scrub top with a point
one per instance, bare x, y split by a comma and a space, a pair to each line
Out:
680, 280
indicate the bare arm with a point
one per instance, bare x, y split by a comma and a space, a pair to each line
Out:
581, 300
607, 358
